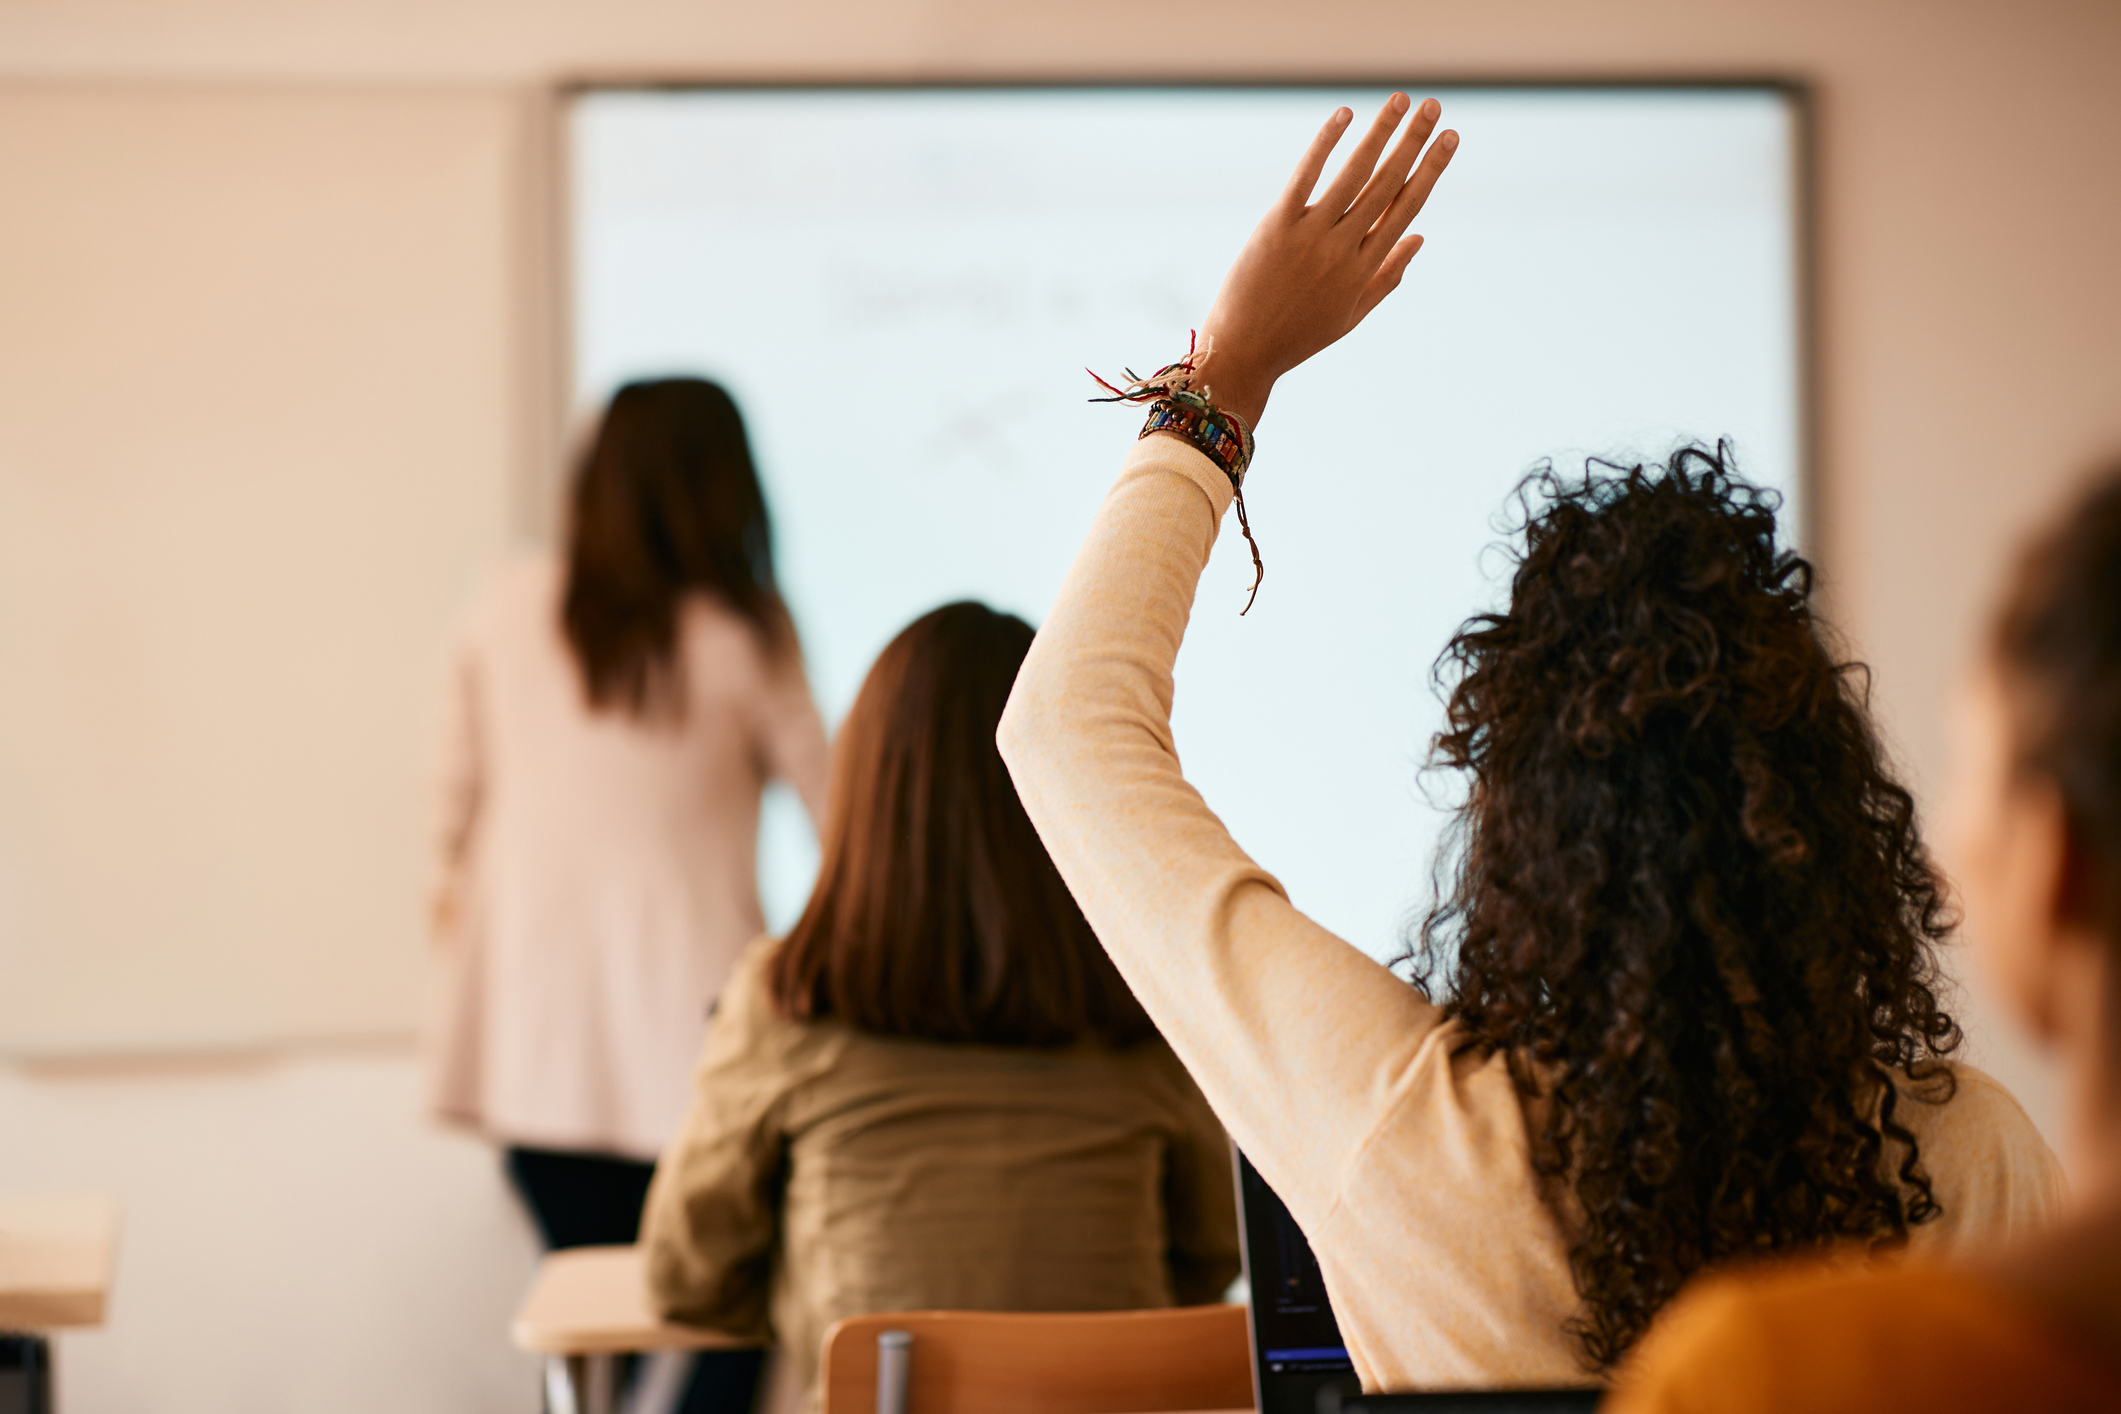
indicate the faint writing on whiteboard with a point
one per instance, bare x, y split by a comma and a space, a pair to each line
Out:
988, 432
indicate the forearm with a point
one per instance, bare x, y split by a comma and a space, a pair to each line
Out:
1288, 1030
703, 1262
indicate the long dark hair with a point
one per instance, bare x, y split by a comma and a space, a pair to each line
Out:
937, 913
1690, 904
667, 503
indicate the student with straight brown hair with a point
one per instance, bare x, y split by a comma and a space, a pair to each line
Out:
936, 1091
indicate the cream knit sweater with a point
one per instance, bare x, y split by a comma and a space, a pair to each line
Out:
1407, 1167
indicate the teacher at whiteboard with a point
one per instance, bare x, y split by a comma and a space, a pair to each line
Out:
614, 716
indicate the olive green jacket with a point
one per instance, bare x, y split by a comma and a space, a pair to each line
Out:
824, 1172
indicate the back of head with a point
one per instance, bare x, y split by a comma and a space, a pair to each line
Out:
1691, 905
666, 503
2057, 642
937, 913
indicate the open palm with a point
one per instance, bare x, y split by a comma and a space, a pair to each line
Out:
1313, 269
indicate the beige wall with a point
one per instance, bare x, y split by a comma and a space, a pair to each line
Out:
1970, 333
255, 431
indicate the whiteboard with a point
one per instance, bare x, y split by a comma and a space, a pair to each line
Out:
902, 288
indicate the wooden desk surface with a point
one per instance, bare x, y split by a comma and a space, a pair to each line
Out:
594, 1301
55, 1261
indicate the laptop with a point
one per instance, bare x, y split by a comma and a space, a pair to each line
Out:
1300, 1365
1297, 1351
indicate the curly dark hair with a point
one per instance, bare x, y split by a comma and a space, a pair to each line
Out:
1684, 896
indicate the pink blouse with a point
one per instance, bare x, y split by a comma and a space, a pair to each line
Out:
597, 872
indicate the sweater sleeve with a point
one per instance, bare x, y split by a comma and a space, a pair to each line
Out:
1301, 1043
792, 734
709, 1226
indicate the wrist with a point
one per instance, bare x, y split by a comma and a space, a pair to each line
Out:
1235, 386
1245, 397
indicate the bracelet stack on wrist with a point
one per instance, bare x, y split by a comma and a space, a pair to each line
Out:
1182, 405
1223, 436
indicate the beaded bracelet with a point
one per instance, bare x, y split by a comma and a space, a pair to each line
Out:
1221, 435
1178, 410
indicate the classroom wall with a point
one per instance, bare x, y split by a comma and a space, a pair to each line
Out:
1968, 337
1970, 342
255, 435
294, 1237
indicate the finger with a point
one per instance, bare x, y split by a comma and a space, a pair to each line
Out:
1415, 193
1378, 192
1420, 185
1387, 277
1363, 160
1297, 194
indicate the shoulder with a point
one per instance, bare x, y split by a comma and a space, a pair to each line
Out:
1971, 1110
722, 641
746, 999
1164, 1078
1992, 1173
1736, 1322
1813, 1335
1830, 1337
1155, 1061
748, 1028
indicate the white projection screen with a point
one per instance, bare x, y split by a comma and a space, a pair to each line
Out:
903, 286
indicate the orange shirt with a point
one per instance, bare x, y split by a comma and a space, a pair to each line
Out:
1837, 1338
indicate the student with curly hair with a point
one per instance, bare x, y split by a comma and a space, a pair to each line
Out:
2035, 843
1681, 1001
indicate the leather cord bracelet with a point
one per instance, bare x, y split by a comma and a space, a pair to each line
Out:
1222, 438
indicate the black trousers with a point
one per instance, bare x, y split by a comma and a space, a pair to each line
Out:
595, 1200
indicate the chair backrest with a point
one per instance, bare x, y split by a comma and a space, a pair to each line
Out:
1098, 1362
594, 1301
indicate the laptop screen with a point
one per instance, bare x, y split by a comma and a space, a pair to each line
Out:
1296, 1344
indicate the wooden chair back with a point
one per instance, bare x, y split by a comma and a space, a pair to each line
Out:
1097, 1362
594, 1301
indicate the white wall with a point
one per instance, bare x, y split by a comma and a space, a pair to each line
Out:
294, 1240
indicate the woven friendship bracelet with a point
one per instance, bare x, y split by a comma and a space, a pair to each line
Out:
1217, 433
1222, 438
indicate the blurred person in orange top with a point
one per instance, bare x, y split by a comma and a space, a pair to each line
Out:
2033, 837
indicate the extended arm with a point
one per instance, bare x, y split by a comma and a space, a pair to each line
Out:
791, 732
1300, 1042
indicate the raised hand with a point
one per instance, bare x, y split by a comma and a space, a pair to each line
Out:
1313, 269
